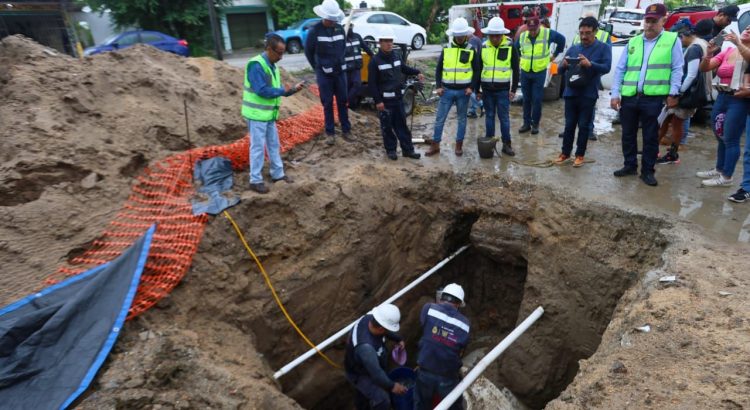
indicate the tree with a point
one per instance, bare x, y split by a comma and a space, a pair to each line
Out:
185, 19
288, 12
425, 13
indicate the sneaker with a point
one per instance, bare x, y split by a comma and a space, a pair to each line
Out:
347, 136
740, 196
392, 155
285, 178
579, 161
535, 129
331, 139
717, 181
524, 128
625, 171
668, 158
260, 188
561, 159
713, 173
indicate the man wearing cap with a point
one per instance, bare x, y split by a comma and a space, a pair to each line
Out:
366, 358
385, 79
445, 335
456, 77
649, 73
534, 49
498, 80
353, 57
261, 99
723, 19
325, 48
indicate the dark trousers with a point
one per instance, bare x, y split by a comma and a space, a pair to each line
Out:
429, 385
642, 110
497, 101
331, 85
393, 126
577, 114
354, 87
532, 87
368, 395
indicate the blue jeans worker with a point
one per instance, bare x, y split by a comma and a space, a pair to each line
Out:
498, 80
534, 47
735, 110
584, 64
366, 358
325, 50
445, 335
386, 72
743, 194
353, 57
261, 99
649, 73
456, 77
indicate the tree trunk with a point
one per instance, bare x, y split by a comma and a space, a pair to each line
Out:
431, 18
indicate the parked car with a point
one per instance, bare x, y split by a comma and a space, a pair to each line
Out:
130, 38
296, 34
369, 25
627, 22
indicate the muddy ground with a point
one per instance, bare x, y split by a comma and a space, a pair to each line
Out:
355, 228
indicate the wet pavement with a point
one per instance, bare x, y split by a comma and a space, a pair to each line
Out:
679, 193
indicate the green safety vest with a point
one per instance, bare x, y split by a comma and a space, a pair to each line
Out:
658, 70
535, 57
601, 35
255, 107
454, 71
495, 70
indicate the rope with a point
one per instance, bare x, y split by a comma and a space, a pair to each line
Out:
273, 291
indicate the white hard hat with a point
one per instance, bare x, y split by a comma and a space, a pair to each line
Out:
456, 291
329, 10
460, 27
386, 33
495, 26
388, 316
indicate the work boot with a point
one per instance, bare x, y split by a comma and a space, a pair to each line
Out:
412, 155
285, 178
459, 148
524, 128
331, 139
625, 171
392, 155
535, 129
592, 137
649, 179
508, 150
434, 149
260, 188
347, 136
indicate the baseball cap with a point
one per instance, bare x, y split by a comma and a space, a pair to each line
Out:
532, 22
730, 11
656, 11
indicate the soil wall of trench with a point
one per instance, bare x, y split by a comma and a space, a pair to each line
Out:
340, 240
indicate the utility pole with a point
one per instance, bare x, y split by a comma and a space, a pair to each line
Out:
214, 29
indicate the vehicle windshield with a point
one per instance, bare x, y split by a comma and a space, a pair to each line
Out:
110, 39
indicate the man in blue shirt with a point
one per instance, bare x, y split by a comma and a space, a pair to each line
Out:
325, 50
445, 334
593, 59
263, 132
645, 106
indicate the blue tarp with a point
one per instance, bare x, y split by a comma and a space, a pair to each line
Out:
52, 343
215, 175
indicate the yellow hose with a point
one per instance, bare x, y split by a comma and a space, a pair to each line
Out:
273, 291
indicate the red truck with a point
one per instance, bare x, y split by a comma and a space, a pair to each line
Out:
694, 13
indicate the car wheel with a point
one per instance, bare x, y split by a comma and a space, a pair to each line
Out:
293, 46
408, 101
417, 42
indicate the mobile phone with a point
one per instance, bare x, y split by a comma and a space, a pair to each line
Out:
718, 41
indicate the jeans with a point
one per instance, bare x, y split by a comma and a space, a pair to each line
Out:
685, 129
450, 97
368, 395
429, 385
577, 113
532, 87
331, 85
475, 104
393, 126
746, 159
735, 116
264, 135
642, 110
500, 101
354, 87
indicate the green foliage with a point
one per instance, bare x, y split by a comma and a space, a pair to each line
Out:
287, 12
185, 19
425, 13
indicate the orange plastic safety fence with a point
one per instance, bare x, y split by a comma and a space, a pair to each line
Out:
162, 196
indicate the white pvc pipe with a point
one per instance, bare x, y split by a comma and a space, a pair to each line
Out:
456, 393
310, 353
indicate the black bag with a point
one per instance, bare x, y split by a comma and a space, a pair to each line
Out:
695, 96
576, 77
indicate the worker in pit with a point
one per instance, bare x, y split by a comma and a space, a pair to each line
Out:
353, 57
456, 77
386, 73
325, 49
535, 47
261, 99
366, 358
499, 80
646, 77
445, 334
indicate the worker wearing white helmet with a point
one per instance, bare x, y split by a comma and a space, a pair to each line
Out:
366, 357
445, 334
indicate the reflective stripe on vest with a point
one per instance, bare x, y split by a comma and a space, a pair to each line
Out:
601, 35
495, 70
454, 71
535, 57
658, 68
255, 107
327, 39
